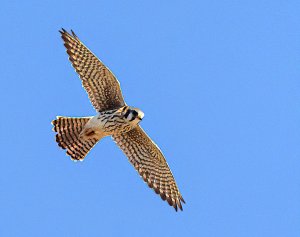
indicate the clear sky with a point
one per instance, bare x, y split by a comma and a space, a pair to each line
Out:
218, 82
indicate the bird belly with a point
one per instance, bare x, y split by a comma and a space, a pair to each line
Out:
105, 124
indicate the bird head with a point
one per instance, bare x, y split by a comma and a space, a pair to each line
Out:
134, 115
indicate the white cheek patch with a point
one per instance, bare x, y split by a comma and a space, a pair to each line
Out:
130, 116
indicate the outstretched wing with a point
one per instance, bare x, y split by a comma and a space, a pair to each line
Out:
148, 160
101, 85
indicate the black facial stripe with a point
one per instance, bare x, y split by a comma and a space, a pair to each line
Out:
127, 113
125, 107
134, 115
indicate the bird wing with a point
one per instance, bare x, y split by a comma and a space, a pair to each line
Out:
101, 85
150, 163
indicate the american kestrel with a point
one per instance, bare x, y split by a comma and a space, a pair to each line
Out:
115, 119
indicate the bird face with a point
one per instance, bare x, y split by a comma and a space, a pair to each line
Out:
133, 115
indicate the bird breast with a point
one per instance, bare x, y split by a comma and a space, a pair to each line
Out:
110, 123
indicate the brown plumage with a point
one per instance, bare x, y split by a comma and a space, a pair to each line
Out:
67, 137
150, 163
101, 85
116, 119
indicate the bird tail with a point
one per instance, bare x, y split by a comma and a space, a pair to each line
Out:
68, 136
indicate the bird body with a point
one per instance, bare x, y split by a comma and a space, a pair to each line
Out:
112, 122
114, 118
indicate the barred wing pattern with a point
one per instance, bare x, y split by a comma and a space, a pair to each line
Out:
101, 85
150, 163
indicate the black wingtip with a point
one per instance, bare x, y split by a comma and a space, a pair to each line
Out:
179, 205
181, 198
62, 31
74, 34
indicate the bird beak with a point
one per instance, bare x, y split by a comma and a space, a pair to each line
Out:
140, 115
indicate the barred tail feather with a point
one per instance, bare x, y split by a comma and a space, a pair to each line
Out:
67, 137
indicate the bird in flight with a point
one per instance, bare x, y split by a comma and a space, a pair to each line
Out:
78, 135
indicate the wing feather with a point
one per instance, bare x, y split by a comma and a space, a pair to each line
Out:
150, 163
101, 85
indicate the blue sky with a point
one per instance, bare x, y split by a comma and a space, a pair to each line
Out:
218, 82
